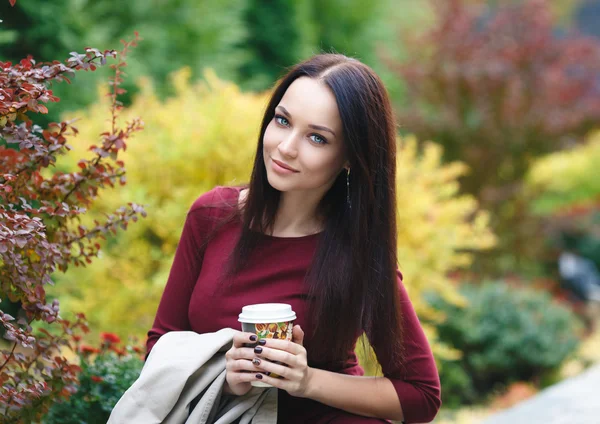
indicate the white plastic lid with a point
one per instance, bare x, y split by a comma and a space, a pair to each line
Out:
267, 312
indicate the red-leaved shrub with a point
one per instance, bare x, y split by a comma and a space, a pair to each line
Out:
39, 226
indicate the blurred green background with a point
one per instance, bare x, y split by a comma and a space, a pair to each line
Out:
248, 42
498, 112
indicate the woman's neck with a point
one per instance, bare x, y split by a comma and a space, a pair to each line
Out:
295, 216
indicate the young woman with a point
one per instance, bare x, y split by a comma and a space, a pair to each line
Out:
314, 228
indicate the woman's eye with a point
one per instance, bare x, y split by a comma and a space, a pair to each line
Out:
318, 139
281, 120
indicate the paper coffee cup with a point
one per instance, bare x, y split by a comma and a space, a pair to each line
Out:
268, 321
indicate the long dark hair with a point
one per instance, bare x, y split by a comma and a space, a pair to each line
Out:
352, 279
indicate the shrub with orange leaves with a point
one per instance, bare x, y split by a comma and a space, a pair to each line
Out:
515, 393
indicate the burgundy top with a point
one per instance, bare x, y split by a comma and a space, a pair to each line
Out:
190, 302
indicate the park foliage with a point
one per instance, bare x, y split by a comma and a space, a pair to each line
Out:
40, 233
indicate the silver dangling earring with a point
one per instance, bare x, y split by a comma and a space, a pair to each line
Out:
348, 188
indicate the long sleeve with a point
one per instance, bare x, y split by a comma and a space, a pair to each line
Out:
172, 314
417, 380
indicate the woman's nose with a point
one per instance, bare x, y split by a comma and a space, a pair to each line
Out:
287, 146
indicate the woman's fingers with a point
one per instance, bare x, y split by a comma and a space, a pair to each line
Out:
298, 335
247, 356
250, 360
244, 370
240, 369
240, 339
243, 345
278, 355
240, 353
287, 346
244, 365
268, 366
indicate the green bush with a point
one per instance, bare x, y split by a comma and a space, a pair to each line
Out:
505, 335
457, 385
106, 374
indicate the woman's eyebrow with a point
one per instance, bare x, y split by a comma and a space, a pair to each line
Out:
316, 127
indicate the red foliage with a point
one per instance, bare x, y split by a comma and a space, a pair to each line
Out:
118, 351
37, 218
86, 349
498, 87
110, 338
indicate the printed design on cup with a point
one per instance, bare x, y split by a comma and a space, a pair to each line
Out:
274, 330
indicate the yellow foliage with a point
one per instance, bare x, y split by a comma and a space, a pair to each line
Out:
566, 177
203, 136
437, 228
206, 135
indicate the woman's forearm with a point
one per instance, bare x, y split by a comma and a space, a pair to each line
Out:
367, 396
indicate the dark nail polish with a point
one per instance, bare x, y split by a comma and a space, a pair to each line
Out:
253, 338
258, 349
256, 361
262, 342
259, 376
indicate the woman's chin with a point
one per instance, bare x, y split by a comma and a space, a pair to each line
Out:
277, 185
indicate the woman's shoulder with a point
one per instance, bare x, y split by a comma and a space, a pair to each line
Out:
219, 197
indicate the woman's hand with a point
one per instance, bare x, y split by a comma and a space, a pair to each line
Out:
294, 366
239, 367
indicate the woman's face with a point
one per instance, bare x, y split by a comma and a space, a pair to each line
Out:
305, 134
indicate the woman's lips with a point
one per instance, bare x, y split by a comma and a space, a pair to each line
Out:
282, 168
